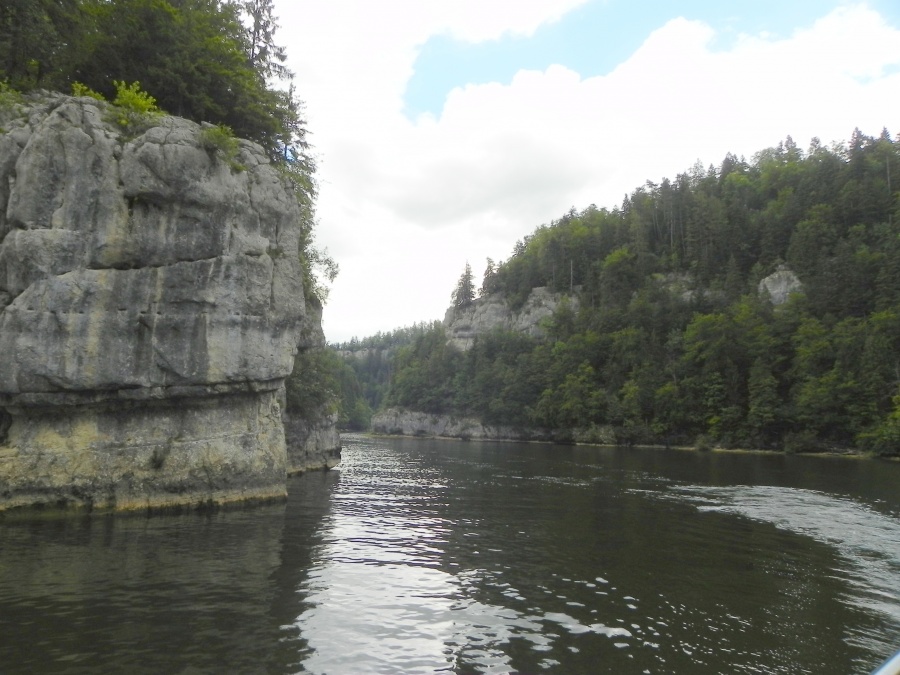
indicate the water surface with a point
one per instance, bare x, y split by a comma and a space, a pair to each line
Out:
433, 556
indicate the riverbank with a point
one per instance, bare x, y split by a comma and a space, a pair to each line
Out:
394, 422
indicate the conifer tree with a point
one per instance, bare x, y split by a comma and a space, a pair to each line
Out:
464, 293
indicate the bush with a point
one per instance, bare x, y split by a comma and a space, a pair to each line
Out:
801, 441
79, 89
8, 96
703, 443
135, 108
884, 438
219, 140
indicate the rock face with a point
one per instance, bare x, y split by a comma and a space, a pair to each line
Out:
411, 423
151, 303
313, 442
492, 312
779, 285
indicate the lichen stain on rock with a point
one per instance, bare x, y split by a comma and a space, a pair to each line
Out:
145, 330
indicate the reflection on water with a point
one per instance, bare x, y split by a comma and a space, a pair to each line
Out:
479, 558
425, 556
129, 594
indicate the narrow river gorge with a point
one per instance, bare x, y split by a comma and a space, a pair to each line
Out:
421, 556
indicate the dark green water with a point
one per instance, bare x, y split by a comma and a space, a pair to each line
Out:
427, 556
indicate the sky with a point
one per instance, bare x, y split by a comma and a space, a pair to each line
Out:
446, 130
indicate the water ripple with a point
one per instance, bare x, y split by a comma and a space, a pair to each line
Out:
868, 539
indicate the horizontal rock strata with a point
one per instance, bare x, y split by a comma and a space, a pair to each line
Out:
312, 442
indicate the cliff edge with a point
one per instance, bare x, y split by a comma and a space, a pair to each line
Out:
151, 303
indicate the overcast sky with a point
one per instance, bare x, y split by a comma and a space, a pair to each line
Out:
445, 130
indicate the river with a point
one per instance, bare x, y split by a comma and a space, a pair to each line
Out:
420, 556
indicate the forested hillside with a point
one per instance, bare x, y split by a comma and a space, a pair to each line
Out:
365, 371
673, 341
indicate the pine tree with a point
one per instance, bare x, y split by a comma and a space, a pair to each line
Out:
264, 55
490, 273
464, 293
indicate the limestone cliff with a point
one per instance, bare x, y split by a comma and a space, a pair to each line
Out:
493, 312
396, 422
151, 303
313, 441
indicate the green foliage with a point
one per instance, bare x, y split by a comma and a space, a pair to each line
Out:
884, 437
316, 264
134, 108
323, 383
36, 41
313, 385
219, 140
79, 89
371, 358
425, 372
207, 60
133, 99
8, 96
703, 443
262, 52
464, 293
671, 342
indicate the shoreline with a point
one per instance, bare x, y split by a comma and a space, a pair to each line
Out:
846, 454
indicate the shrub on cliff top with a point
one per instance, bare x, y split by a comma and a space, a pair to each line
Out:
79, 89
219, 140
134, 106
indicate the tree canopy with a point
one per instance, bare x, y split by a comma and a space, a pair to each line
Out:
207, 60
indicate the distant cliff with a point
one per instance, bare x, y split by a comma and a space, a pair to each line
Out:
151, 303
397, 422
493, 312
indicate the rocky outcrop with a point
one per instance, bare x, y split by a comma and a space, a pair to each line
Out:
151, 303
397, 422
492, 312
779, 285
313, 441
311, 433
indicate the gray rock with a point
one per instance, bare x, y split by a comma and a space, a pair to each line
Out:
493, 312
134, 270
779, 285
397, 422
312, 443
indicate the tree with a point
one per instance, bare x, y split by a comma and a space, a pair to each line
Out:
264, 55
490, 275
190, 55
464, 293
207, 60
763, 405
32, 47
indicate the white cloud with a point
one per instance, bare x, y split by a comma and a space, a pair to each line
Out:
405, 203
477, 20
